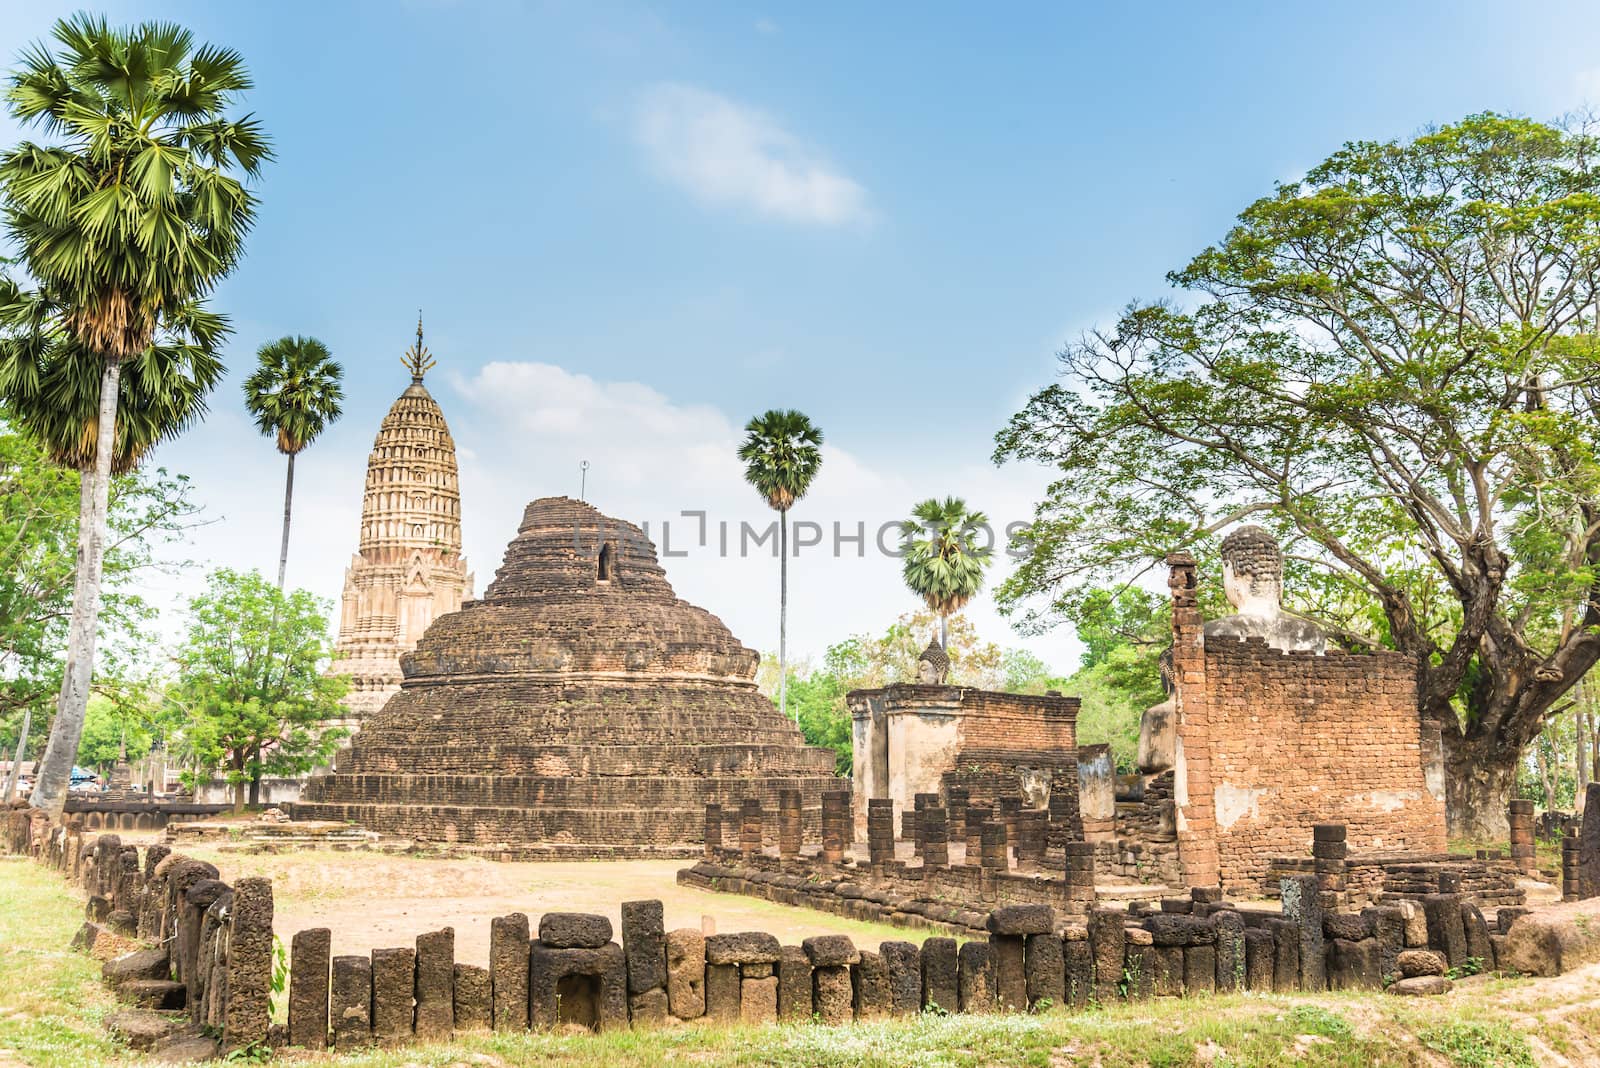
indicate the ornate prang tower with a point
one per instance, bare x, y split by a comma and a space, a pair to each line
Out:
408, 570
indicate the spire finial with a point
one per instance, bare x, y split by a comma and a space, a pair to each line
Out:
417, 359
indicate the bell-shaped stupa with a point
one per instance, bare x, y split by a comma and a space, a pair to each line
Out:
408, 569
579, 706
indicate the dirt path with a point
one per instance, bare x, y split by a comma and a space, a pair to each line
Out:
372, 900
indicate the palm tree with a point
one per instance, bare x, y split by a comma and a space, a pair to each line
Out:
782, 453
125, 224
945, 564
293, 393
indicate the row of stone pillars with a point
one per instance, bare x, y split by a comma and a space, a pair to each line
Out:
837, 822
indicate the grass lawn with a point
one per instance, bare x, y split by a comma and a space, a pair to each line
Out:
51, 1005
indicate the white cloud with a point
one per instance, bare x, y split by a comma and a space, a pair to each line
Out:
727, 154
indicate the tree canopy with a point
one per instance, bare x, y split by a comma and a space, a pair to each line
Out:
250, 689
1393, 363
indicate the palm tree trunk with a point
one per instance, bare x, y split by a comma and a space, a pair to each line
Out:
16, 757
288, 500
55, 767
783, 611
944, 633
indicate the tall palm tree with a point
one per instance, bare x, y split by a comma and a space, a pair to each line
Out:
125, 223
782, 453
944, 561
294, 393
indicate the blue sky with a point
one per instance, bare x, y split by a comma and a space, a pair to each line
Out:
631, 227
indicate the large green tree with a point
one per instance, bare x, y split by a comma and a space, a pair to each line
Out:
38, 517
782, 453
1393, 363
294, 394
945, 551
124, 219
250, 691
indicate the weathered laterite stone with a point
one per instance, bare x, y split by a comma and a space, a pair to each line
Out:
1045, 966
583, 985
1354, 965
435, 991
830, 951
644, 941
834, 995
249, 965
393, 984
1259, 949
574, 930
310, 958
1009, 953
350, 1002
474, 998
686, 974
744, 947
794, 984
1199, 970
1021, 919
975, 979
722, 993
870, 978
1109, 945
904, 961
940, 974
508, 968
758, 999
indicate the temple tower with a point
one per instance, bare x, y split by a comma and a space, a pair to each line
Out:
408, 569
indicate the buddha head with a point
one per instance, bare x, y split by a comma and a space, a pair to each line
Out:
1252, 572
933, 666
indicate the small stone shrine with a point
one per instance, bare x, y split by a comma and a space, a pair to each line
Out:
579, 707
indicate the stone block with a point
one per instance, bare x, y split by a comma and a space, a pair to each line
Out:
940, 972
644, 942
350, 1002
1350, 926
904, 961
1354, 965
830, 951
1044, 964
1199, 970
686, 973
393, 985
435, 993
508, 968
1445, 929
1422, 986
1301, 907
1285, 955
870, 979
649, 1008
574, 930
1477, 936
473, 1008
1389, 927
165, 995
1416, 924
248, 1006
833, 993
584, 985
1010, 972
140, 964
722, 993
975, 978
1231, 961
744, 947
794, 984
758, 1000
1415, 962
1168, 971
1077, 972
1109, 945
1179, 929
310, 957
1555, 939
1259, 948
1021, 920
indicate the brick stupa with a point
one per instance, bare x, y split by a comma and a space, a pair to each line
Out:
578, 707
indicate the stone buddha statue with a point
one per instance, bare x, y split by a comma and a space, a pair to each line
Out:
933, 666
1252, 580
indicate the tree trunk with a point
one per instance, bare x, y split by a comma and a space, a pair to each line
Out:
1585, 693
1480, 775
944, 634
288, 500
55, 767
255, 788
783, 611
16, 758
239, 785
